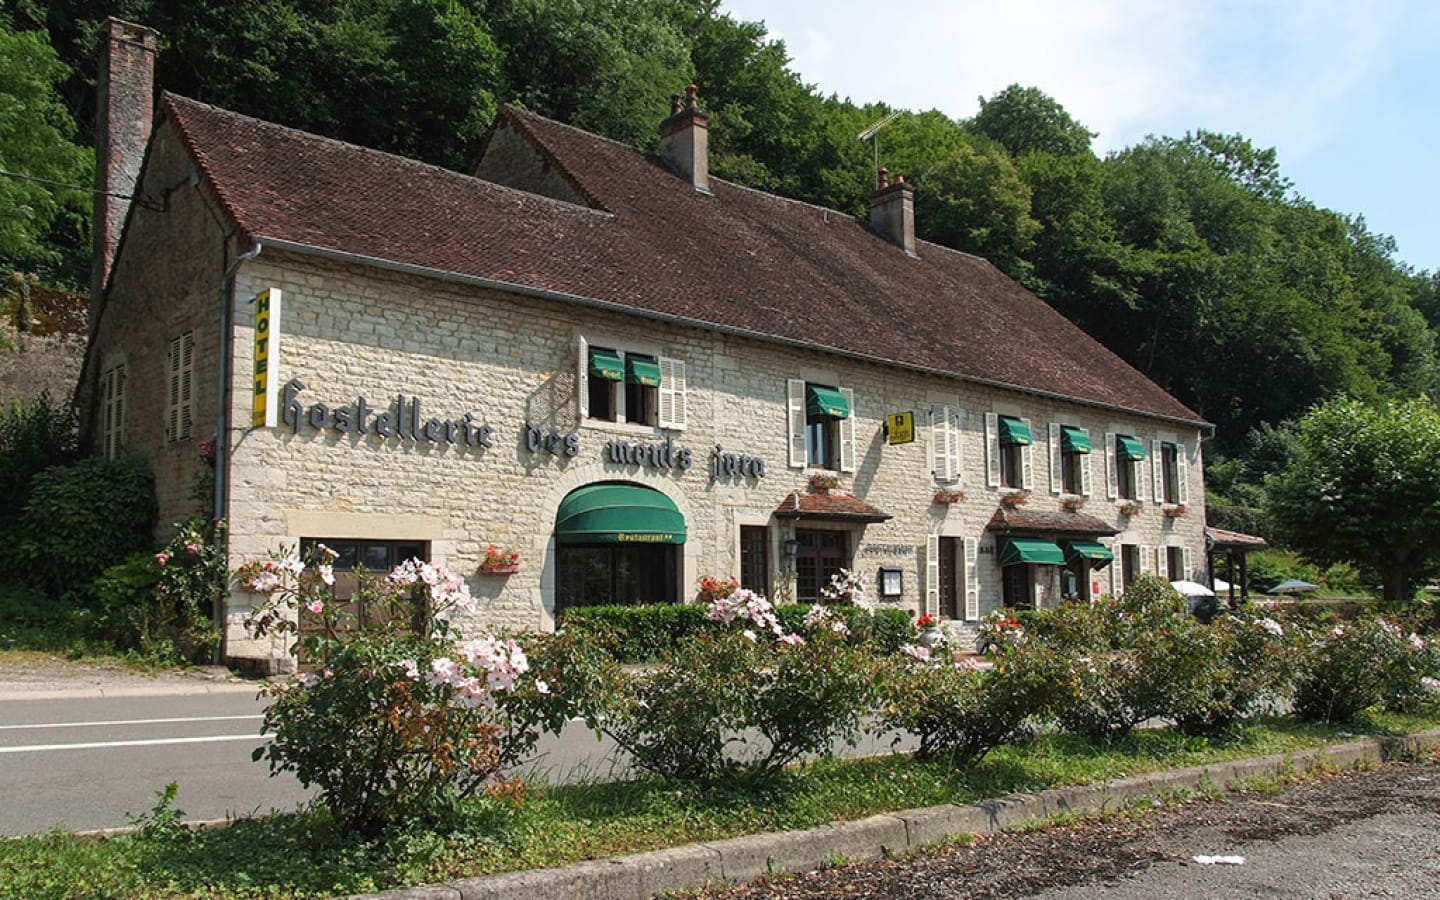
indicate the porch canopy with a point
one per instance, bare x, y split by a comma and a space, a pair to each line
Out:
1094, 552
613, 513
1013, 551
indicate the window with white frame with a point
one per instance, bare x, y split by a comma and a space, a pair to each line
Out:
946, 454
1170, 479
112, 412
1176, 563
180, 397
822, 425
1123, 456
619, 385
1008, 447
1069, 460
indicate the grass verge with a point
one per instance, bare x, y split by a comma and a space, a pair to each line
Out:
302, 856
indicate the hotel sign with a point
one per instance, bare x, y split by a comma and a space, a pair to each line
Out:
263, 407
900, 428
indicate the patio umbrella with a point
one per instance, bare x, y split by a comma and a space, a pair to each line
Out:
1222, 585
1191, 589
1294, 586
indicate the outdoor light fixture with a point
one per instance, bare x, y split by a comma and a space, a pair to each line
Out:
891, 581
791, 547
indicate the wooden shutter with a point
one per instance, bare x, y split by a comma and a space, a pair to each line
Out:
1112, 472
1027, 460
582, 380
672, 393
1162, 563
1144, 554
187, 384
1117, 571
1057, 461
1185, 562
957, 440
945, 444
1085, 468
932, 574
1157, 469
796, 391
847, 432
1138, 468
992, 449
172, 404
972, 579
1182, 476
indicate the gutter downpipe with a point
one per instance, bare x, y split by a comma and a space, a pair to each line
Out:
222, 416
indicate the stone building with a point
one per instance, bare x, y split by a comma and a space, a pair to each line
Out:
629, 372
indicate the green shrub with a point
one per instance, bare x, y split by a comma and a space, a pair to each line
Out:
958, 712
1210, 677
83, 518
641, 633
1348, 669
32, 438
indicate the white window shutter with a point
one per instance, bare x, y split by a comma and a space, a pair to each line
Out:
1185, 562
952, 443
1027, 460
1157, 470
847, 432
1137, 467
582, 379
1112, 471
992, 449
1162, 564
1057, 476
932, 574
972, 579
1117, 571
957, 442
672, 410
796, 389
1145, 560
1085, 469
1182, 475
944, 444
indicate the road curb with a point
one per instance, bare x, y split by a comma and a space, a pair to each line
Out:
742, 859
96, 692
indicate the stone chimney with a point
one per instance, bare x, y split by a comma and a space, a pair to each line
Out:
892, 212
124, 112
685, 139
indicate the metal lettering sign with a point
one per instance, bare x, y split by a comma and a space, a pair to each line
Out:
900, 428
263, 407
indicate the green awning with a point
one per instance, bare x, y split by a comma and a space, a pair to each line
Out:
1014, 431
640, 370
1074, 440
607, 365
1032, 551
618, 514
1129, 448
1097, 553
824, 401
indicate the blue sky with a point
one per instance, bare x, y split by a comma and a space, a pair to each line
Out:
1348, 93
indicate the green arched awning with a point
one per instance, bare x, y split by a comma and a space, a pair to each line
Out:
1013, 551
618, 514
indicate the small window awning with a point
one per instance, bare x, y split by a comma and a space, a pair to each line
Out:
1013, 551
642, 370
824, 401
1127, 447
606, 364
618, 514
1014, 431
1073, 440
1096, 553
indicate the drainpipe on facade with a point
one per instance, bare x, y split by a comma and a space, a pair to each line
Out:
222, 417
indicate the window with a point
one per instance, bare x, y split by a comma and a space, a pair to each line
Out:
1169, 473
637, 388
755, 558
606, 574
1124, 454
369, 555
819, 555
1008, 443
946, 462
1129, 564
1177, 563
180, 405
112, 412
822, 430
1070, 460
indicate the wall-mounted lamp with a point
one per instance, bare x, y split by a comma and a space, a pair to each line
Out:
790, 547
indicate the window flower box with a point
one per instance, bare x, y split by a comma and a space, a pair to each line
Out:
1175, 511
1130, 508
823, 482
1072, 504
946, 497
1014, 499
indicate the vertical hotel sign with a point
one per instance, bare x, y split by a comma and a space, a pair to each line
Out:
264, 405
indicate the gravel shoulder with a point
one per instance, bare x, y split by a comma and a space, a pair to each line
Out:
33, 676
1367, 833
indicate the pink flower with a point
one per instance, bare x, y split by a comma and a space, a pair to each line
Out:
315, 606
327, 573
193, 547
162, 558
794, 640
412, 669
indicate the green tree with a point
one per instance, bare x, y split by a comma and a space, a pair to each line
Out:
1026, 119
36, 135
974, 200
1363, 486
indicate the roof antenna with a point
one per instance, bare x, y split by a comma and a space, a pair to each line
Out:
872, 134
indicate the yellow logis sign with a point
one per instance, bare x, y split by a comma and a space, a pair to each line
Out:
900, 428
263, 405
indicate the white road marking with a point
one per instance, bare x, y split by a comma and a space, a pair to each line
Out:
100, 745
133, 722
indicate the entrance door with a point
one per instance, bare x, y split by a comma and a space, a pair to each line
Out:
1016, 580
949, 581
819, 555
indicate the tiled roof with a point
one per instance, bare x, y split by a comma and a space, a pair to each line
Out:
737, 259
1007, 521
1221, 539
828, 505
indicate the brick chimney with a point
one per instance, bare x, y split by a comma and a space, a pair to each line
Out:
892, 212
685, 139
124, 112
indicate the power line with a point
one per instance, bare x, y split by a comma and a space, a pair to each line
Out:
74, 187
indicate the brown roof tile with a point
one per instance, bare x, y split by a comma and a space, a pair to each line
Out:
1020, 521
737, 259
828, 505
1221, 539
